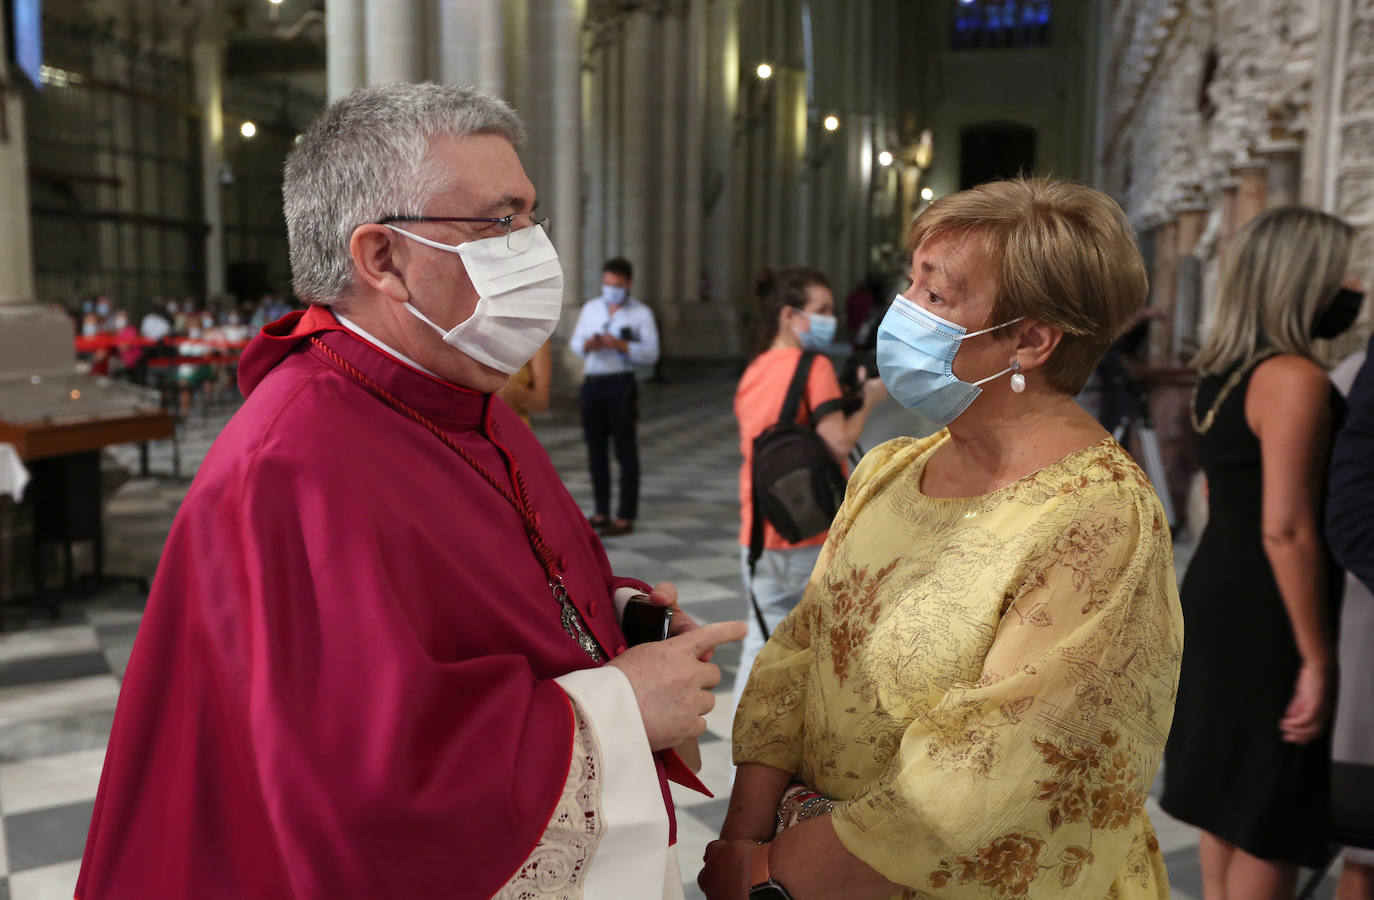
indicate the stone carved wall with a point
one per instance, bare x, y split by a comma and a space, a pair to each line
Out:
1171, 143
1212, 110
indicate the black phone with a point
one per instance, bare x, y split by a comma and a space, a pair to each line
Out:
627, 334
644, 622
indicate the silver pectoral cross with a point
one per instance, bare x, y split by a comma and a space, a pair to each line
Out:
573, 624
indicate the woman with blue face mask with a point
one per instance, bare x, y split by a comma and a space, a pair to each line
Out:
975, 689
796, 315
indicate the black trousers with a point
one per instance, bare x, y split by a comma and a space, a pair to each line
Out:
610, 408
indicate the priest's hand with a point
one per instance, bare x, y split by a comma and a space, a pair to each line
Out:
672, 682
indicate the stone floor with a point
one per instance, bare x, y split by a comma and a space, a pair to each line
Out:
59, 679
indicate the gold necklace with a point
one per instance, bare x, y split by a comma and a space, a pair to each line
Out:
1205, 425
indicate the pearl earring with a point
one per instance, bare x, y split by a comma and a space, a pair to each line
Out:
1018, 381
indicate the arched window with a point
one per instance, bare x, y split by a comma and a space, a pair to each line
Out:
994, 24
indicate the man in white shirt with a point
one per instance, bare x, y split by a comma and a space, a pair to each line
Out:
615, 333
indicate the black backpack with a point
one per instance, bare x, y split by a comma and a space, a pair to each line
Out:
797, 485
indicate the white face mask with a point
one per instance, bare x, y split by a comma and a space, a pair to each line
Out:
520, 297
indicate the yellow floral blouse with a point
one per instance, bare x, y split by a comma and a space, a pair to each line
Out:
983, 684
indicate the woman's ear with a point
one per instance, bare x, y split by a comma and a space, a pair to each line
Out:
1037, 343
379, 260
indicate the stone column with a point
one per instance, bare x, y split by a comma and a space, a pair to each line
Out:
394, 49
1192, 221
1251, 191
1163, 282
550, 102
207, 57
672, 209
565, 94
1283, 172
345, 47
694, 143
640, 146
16, 240
722, 98
472, 43
33, 338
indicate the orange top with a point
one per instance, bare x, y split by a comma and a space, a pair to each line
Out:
758, 403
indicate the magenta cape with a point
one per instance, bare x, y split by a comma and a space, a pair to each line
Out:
342, 685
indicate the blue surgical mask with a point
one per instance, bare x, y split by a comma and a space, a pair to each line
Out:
613, 295
916, 351
821, 334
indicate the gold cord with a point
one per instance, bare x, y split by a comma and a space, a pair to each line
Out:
1205, 425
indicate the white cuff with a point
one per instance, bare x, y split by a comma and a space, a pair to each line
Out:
622, 597
633, 850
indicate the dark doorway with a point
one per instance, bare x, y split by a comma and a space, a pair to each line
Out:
992, 151
248, 280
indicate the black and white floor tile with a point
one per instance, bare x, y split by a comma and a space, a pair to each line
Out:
59, 680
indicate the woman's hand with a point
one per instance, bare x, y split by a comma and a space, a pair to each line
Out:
726, 873
1307, 713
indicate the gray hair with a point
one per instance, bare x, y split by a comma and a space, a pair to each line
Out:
367, 157
1286, 264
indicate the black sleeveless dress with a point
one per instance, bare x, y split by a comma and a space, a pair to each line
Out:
1226, 768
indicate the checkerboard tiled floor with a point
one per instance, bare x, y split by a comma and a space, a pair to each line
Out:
59, 680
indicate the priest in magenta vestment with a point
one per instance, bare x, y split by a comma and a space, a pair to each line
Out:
382, 655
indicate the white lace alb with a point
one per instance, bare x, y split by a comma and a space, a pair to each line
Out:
555, 868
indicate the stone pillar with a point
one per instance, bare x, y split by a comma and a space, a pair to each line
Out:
1251, 191
1283, 172
565, 22
722, 99
472, 43
640, 146
1192, 221
33, 338
1163, 283
550, 103
672, 209
345, 47
394, 49
694, 143
1230, 189
207, 57
16, 240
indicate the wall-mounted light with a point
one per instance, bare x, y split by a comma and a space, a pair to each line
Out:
831, 123
764, 71
248, 129
884, 158
927, 194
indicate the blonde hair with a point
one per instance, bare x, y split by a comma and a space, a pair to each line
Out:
1286, 263
1062, 254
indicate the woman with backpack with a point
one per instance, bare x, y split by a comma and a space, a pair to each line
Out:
796, 317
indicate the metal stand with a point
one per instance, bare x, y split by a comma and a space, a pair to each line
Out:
1137, 420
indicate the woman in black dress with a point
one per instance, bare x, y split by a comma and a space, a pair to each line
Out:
1249, 754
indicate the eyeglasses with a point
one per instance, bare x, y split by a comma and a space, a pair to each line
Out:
518, 227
